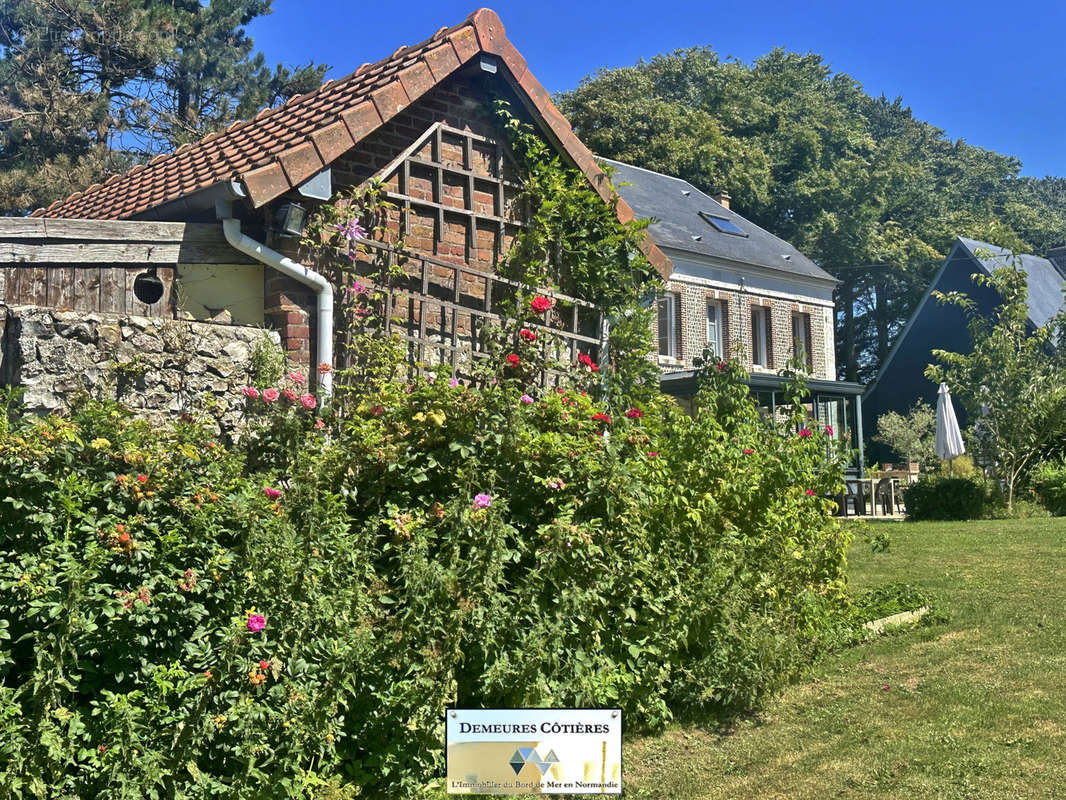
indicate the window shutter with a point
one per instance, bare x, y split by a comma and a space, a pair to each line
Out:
769, 334
663, 307
678, 349
723, 313
810, 342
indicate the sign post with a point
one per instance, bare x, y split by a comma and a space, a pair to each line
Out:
534, 751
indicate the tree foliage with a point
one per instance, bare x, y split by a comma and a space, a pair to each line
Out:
1013, 383
89, 87
872, 194
912, 436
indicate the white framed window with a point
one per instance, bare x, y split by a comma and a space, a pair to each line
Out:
667, 306
801, 337
760, 336
716, 328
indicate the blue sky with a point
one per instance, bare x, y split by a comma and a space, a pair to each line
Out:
990, 73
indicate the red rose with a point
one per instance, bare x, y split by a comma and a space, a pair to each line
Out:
634, 413
540, 304
601, 417
263, 665
513, 361
528, 335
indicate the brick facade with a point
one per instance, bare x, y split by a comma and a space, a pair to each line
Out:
459, 103
478, 233
737, 331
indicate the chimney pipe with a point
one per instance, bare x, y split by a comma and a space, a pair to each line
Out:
722, 198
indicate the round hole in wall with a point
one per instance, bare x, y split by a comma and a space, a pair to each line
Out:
147, 287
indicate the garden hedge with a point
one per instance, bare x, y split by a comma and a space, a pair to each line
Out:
290, 616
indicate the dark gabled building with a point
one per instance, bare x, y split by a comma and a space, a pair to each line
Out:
901, 382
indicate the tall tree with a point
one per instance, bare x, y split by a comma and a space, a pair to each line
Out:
64, 64
211, 77
89, 87
872, 194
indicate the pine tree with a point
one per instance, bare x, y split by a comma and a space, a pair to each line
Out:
90, 87
64, 67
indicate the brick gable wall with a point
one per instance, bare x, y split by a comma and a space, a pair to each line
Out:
458, 103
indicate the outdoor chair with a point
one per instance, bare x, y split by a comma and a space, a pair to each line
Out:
855, 497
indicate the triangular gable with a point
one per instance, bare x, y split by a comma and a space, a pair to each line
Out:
281, 148
1040, 273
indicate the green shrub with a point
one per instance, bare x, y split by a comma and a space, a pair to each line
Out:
631, 557
1048, 482
960, 467
892, 598
937, 498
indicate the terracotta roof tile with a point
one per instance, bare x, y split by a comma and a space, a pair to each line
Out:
282, 147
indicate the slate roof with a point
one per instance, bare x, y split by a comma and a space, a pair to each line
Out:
674, 205
282, 147
1044, 279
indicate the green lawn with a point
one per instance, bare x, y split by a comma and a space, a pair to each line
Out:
975, 707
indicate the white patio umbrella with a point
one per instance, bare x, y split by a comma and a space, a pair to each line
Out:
948, 436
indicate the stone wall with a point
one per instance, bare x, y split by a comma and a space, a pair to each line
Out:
160, 368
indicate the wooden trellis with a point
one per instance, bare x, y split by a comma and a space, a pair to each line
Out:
440, 309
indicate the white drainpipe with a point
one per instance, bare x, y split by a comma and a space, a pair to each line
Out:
308, 277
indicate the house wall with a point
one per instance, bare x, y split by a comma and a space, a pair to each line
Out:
157, 367
696, 283
220, 292
460, 103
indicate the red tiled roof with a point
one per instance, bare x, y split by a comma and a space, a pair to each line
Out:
282, 147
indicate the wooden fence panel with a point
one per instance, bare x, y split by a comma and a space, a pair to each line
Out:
61, 288
91, 265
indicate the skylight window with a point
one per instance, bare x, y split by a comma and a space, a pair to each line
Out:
722, 224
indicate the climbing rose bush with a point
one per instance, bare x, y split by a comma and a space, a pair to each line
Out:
290, 616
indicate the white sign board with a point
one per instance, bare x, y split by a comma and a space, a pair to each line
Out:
534, 751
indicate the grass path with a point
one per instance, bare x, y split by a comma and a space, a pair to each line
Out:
975, 707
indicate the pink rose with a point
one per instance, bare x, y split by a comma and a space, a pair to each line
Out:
805, 433
297, 377
289, 395
482, 501
272, 493
319, 424
256, 622
250, 392
270, 395
810, 493
308, 401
